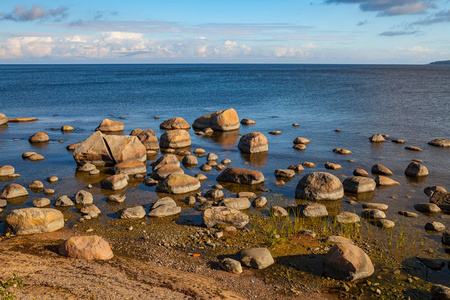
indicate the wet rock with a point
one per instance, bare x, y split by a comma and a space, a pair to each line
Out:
136, 212
347, 262
39, 137
399, 141
224, 215
87, 167
359, 184
89, 209
72, 147
298, 168
212, 163
440, 292
237, 203
379, 206
167, 159
413, 148
284, 173
64, 201
377, 138
434, 264
115, 182
48, 192
346, 217
415, 169
165, 171
247, 122
308, 164
427, 207
164, 207
130, 167
248, 195
241, 176
214, 194
175, 123
7, 170
147, 138
408, 214
66, 128
385, 224
3, 119
36, 185
13, 190
200, 177
150, 182
178, 184
90, 247
116, 198
226, 161
205, 168
22, 120
190, 200
435, 226
372, 214
52, 179
231, 265
36, 157
301, 140
279, 183
178, 138
385, 181
83, 197
295, 124
275, 132
108, 125
312, 210
212, 157
259, 202
332, 166
381, 170
441, 199
299, 147
342, 151
360, 172
440, 143
199, 151
41, 202
224, 120
183, 153
430, 190
319, 186
34, 220
253, 142
220, 168
336, 239
278, 212
256, 258
204, 204
190, 160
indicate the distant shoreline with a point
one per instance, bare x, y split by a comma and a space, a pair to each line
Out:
441, 62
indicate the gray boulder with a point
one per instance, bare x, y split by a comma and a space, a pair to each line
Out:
256, 258
319, 186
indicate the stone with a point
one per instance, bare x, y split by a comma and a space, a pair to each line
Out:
373, 214
427, 207
3, 119
408, 214
178, 138
275, 132
220, 167
399, 141
67, 128
165, 171
299, 147
116, 198
199, 151
379, 206
312, 210
241, 176
440, 292
178, 184
72, 147
87, 209
212, 163
13, 190
34, 220
377, 138
7, 170
164, 207
231, 265
136, 212
308, 164
279, 183
247, 122
237, 203
226, 161
346, 217
360, 172
36, 157
205, 168
301, 140
256, 258
248, 195
284, 173
319, 186
175, 123
3, 203
359, 184
336, 239
441, 199
200, 177
347, 262
298, 168
381, 170
130, 167
183, 153
39, 137
189, 160
214, 194
342, 151
94, 172
212, 157
415, 169
83, 197
115, 182
385, 224
87, 167
430, 190
52, 179
224, 215
147, 138
413, 148
253, 142
224, 120
385, 181
22, 120
440, 143
108, 125
48, 192
190, 200
64, 201
435, 226
167, 159
90, 247
278, 212
36, 185
41, 202
332, 166
259, 202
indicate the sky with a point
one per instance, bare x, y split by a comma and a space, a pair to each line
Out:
226, 31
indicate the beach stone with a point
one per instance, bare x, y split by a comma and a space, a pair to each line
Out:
83, 197
72, 147
408, 214
36, 185
214, 194
212, 163
259, 202
224, 215
440, 142
298, 168
39, 137
413, 148
299, 147
204, 204
226, 161
147, 138
253, 142
247, 122
167, 159
440, 292
360, 172
175, 123
427, 207
13, 190
108, 125
64, 201
48, 192
87, 209
201, 177
435, 226
319, 186
199, 151
90, 247
3, 203
377, 138
336, 239
441, 199
347, 262
381, 170
7, 170
241, 176
190, 200
237, 203
385, 181
164, 207
41, 202
130, 167
301, 140
308, 164
220, 167
212, 157
190, 160
231, 265
205, 168
248, 195
116, 198
385, 224
223, 120
256, 258
312, 210
379, 206
3, 119
275, 132
136, 212
94, 172
332, 166
150, 182
346, 217
342, 151
183, 153
178, 138
359, 184
52, 179
415, 169
66, 128
33, 220
284, 173
278, 212
115, 182
22, 119
36, 157
430, 190
446, 238
399, 141
165, 171
372, 214
178, 184
87, 167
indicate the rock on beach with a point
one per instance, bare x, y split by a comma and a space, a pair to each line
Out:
90, 247
13, 190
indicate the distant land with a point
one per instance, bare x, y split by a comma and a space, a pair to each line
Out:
441, 62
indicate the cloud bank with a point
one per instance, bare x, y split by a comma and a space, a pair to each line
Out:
36, 12
390, 7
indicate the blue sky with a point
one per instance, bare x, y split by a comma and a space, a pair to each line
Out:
227, 31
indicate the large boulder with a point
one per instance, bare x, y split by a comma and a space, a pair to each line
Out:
34, 220
319, 186
348, 262
175, 123
108, 125
241, 176
257, 258
253, 142
359, 184
86, 247
223, 120
224, 215
3, 119
415, 169
147, 137
164, 207
178, 184
108, 150
115, 182
440, 142
39, 137
13, 190
178, 138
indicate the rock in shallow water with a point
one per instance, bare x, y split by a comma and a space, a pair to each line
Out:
435, 226
136, 212
415, 169
241, 176
13, 190
34, 220
178, 138
440, 142
225, 216
223, 120
359, 184
178, 184
39, 137
108, 125
427, 207
253, 142
175, 123
381, 170
319, 186
115, 182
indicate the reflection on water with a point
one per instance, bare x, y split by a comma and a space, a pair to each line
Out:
361, 196
227, 139
255, 159
18, 200
236, 188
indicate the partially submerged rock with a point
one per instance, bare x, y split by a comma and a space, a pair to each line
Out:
332, 166
301, 140
359, 184
34, 220
247, 122
440, 143
3, 119
427, 207
165, 171
39, 137
108, 125
373, 214
13, 190
6, 170
360, 172
164, 207
284, 173
64, 201
377, 138
237, 203
441, 199
319, 186
241, 176
130, 167
147, 138
224, 120
178, 138
83, 197
346, 217
178, 184
415, 169
136, 212
115, 182
342, 151
90, 247
175, 123
312, 210
381, 170
385, 181
253, 142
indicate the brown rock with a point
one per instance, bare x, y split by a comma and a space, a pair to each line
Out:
224, 215
430, 190
108, 125
66, 128
440, 143
224, 120
7, 170
284, 173
332, 166
301, 140
299, 147
175, 123
253, 142
72, 147
22, 120
87, 209
360, 172
178, 184
275, 132
241, 176
381, 170
3, 119
441, 199
298, 168
399, 141
308, 164
167, 159
385, 181
36, 157
413, 148
247, 122
165, 171
342, 151
36, 185
190, 160
178, 138
115, 182
13, 190
319, 186
86, 247
130, 167
39, 137
377, 138
415, 169
147, 138
34, 220
359, 184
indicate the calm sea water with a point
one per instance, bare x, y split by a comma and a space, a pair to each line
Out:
407, 102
